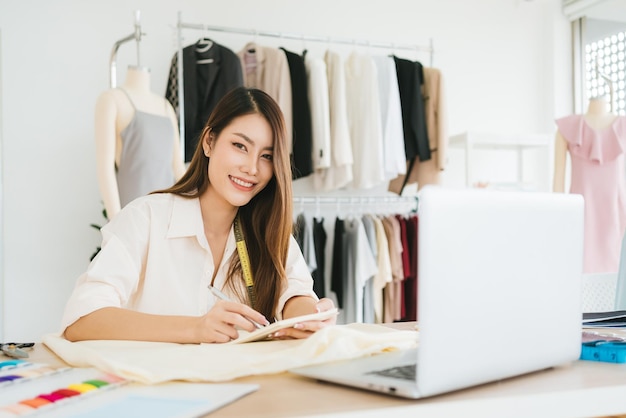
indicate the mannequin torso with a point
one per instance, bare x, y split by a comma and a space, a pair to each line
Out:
597, 117
114, 113
595, 142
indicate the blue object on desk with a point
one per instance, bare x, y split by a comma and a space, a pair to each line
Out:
602, 350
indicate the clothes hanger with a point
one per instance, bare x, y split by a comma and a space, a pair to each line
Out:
204, 43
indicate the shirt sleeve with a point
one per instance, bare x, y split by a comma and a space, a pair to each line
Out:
299, 280
114, 273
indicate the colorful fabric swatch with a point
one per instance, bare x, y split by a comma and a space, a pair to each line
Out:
20, 371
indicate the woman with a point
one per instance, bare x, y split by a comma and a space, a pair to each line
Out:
161, 252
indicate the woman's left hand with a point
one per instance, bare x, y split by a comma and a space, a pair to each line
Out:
307, 328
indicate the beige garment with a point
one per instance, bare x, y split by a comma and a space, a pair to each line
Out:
152, 362
384, 274
429, 172
267, 69
392, 298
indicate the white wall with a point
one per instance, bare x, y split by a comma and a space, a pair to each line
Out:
505, 63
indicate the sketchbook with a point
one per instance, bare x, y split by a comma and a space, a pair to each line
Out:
262, 334
613, 319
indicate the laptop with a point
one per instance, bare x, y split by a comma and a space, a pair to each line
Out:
499, 294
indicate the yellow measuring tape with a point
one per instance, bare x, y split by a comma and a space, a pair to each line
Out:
242, 250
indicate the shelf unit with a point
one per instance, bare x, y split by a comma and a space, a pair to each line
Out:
542, 145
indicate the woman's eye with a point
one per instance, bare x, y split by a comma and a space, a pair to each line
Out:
268, 157
239, 145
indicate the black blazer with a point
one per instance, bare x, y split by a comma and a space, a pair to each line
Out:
410, 80
204, 85
302, 164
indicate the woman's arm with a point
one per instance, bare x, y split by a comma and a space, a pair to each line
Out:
217, 326
304, 305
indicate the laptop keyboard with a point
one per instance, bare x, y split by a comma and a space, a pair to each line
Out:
399, 372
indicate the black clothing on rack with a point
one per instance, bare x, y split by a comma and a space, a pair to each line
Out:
319, 241
302, 160
207, 76
410, 79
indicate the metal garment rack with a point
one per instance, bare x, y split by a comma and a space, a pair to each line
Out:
136, 35
364, 203
271, 34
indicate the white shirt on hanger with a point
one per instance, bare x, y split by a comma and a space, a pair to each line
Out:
391, 117
340, 172
317, 82
364, 118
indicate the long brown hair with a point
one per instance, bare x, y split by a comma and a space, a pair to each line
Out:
267, 219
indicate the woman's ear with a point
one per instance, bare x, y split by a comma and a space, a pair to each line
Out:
207, 142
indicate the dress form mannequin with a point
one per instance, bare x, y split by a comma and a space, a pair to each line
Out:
115, 110
595, 142
597, 117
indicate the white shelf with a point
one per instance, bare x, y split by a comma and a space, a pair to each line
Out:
471, 142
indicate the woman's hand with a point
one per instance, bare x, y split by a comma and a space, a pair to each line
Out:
307, 328
220, 324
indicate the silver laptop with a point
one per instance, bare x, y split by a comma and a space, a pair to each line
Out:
499, 294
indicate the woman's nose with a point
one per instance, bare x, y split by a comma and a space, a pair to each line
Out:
250, 165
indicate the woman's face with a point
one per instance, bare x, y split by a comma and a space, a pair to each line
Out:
240, 164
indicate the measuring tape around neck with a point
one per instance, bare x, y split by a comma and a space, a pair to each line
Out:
242, 250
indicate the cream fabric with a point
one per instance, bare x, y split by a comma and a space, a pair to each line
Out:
150, 362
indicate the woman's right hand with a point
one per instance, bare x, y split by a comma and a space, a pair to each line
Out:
220, 324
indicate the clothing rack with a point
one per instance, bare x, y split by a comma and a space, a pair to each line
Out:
136, 35
357, 42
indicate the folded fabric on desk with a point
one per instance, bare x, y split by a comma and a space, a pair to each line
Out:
152, 362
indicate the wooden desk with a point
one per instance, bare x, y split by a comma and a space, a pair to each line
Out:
582, 389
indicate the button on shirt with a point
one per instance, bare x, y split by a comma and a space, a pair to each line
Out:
155, 259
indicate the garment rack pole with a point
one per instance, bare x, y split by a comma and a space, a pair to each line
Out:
283, 35
300, 37
353, 201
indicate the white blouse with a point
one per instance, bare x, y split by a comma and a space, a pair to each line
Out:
155, 259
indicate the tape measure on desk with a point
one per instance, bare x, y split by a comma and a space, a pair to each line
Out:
242, 250
603, 350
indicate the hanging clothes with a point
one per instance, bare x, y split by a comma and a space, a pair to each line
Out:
597, 173
338, 269
394, 156
368, 288
363, 106
393, 290
410, 79
147, 154
339, 174
319, 241
360, 267
302, 162
317, 85
429, 171
208, 74
383, 262
303, 233
410, 281
267, 69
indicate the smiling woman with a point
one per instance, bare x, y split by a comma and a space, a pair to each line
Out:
227, 224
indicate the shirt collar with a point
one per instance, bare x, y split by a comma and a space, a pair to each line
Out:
186, 218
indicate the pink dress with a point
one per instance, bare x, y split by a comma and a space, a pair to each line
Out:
599, 175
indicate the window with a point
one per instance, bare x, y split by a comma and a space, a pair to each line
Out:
605, 68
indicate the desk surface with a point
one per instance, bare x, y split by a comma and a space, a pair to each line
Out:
581, 389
